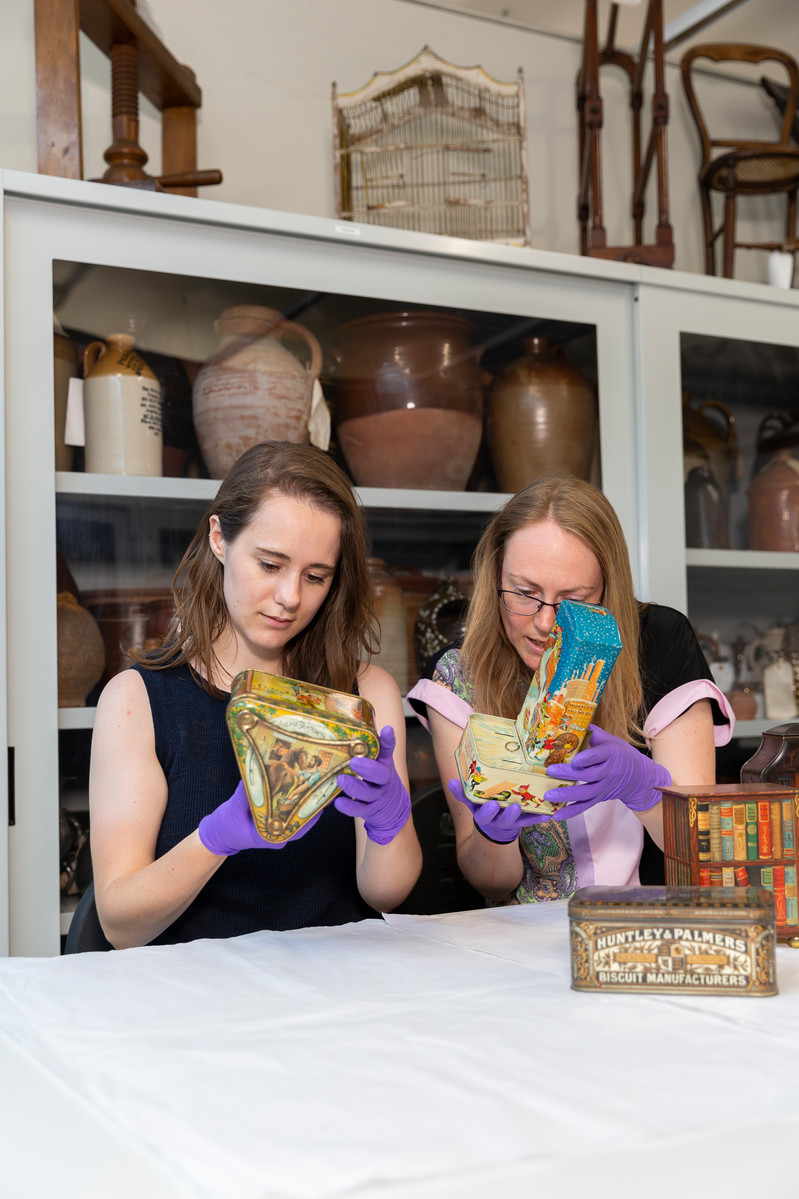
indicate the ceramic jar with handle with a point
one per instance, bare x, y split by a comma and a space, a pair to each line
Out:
710, 435
253, 388
774, 505
122, 409
541, 418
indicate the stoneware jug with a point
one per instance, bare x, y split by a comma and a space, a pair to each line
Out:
774, 505
81, 652
709, 424
253, 388
408, 399
541, 418
122, 409
391, 615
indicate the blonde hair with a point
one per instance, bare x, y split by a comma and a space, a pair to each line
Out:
342, 632
499, 677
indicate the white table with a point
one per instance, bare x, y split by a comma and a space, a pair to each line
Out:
416, 1058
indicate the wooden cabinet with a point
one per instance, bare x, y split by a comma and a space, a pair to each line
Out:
108, 259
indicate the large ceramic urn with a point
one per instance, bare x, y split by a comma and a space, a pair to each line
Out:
407, 399
122, 409
774, 505
541, 418
253, 388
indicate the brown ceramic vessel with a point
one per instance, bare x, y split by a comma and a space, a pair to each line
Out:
407, 399
541, 418
774, 505
253, 388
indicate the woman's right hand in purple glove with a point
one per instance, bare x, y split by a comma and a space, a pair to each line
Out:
496, 823
230, 827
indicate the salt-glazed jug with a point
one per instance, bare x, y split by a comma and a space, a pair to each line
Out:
122, 409
252, 388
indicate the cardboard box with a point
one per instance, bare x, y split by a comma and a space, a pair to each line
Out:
506, 760
291, 740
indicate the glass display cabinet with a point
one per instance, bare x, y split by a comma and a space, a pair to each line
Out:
162, 269
105, 261
719, 375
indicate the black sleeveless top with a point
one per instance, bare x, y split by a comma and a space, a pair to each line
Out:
308, 882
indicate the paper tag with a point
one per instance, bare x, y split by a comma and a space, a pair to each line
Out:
319, 419
74, 431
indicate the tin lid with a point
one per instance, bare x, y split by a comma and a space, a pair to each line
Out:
701, 903
731, 791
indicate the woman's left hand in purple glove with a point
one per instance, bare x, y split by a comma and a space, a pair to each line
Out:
608, 769
376, 792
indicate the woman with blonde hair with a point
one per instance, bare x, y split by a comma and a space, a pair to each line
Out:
274, 579
658, 721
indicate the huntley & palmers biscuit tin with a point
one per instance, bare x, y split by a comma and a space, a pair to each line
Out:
506, 760
291, 739
660, 940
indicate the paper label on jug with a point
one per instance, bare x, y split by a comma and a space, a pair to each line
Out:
74, 429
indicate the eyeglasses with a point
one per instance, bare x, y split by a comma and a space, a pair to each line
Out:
522, 604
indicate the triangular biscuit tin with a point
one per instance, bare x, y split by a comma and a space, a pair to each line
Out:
291, 739
506, 760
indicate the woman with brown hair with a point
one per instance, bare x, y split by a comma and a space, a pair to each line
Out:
274, 579
658, 720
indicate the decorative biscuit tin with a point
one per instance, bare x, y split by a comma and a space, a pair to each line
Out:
736, 835
661, 940
506, 760
291, 740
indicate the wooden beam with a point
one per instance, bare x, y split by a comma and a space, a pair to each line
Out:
58, 115
703, 13
162, 79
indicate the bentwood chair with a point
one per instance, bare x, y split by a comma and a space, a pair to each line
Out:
744, 167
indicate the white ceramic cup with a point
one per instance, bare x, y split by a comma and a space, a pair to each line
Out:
780, 268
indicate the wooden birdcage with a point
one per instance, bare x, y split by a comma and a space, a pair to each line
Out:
436, 148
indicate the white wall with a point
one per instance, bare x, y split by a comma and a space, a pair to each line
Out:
265, 68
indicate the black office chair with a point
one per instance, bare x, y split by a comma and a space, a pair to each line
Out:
441, 887
85, 932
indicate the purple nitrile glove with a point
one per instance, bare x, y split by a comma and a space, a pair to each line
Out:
609, 769
379, 795
230, 827
496, 823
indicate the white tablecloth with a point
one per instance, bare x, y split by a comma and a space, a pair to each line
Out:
416, 1056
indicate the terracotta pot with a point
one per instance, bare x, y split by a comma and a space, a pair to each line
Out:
129, 618
253, 389
541, 418
122, 409
65, 367
407, 399
774, 505
390, 612
81, 652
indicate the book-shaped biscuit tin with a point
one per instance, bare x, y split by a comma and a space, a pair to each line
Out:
503, 759
291, 739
